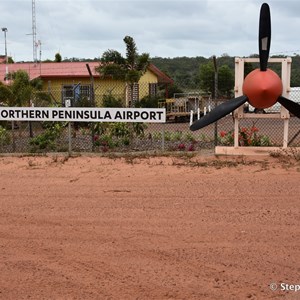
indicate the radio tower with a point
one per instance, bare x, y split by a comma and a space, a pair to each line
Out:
34, 43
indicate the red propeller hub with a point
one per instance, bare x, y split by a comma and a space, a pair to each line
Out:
262, 88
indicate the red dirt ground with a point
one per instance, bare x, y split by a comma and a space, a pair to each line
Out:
149, 228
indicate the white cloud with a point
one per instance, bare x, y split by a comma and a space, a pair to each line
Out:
167, 28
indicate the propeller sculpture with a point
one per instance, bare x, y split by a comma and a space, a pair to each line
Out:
262, 88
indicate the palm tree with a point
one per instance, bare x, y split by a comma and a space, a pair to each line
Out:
130, 69
23, 91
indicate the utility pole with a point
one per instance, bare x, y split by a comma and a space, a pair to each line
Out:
4, 29
215, 95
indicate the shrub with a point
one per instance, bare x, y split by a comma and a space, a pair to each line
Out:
47, 139
110, 135
4, 136
247, 137
111, 101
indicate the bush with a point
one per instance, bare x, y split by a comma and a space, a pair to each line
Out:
47, 139
148, 102
110, 135
4, 136
247, 137
111, 101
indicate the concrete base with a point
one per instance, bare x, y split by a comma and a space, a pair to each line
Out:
221, 150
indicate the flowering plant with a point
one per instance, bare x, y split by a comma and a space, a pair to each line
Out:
247, 137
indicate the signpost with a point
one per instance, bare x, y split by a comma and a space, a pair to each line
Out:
82, 114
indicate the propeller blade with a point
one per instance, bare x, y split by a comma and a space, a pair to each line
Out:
219, 112
264, 39
291, 106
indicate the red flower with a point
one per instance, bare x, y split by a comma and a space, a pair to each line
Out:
191, 148
223, 133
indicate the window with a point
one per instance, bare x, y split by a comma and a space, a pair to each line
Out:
152, 89
75, 92
132, 94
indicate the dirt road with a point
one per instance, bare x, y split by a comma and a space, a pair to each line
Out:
149, 228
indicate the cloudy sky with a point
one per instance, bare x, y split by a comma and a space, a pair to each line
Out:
166, 28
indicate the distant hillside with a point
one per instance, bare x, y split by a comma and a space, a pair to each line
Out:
185, 70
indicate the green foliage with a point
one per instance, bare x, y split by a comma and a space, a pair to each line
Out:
110, 135
248, 67
120, 129
58, 58
247, 137
4, 136
148, 102
47, 140
131, 52
112, 56
185, 70
206, 75
225, 81
138, 128
174, 89
37, 84
189, 137
112, 70
41, 99
6, 95
130, 69
21, 88
132, 76
226, 138
111, 101
105, 141
83, 101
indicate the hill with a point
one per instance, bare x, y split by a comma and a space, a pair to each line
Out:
185, 70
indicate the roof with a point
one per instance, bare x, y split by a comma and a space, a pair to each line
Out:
52, 70
162, 77
66, 70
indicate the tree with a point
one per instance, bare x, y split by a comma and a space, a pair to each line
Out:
58, 57
129, 69
21, 88
225, 81
6, 95
206, 77
10, 60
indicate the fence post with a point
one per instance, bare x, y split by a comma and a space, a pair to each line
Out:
163, 138
13, 136
191, 117
70, 139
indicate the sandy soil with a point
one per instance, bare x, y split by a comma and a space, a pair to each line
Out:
149, 228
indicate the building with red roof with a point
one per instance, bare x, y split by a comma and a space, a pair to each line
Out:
64, 79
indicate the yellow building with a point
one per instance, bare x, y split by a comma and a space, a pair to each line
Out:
70, 80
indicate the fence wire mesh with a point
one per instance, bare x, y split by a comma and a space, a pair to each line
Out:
174, 135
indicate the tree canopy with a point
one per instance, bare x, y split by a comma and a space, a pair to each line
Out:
129, 68
185, 70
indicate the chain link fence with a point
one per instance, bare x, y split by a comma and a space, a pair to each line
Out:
174, 135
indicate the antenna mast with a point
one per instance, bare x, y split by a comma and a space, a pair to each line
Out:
34, 43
